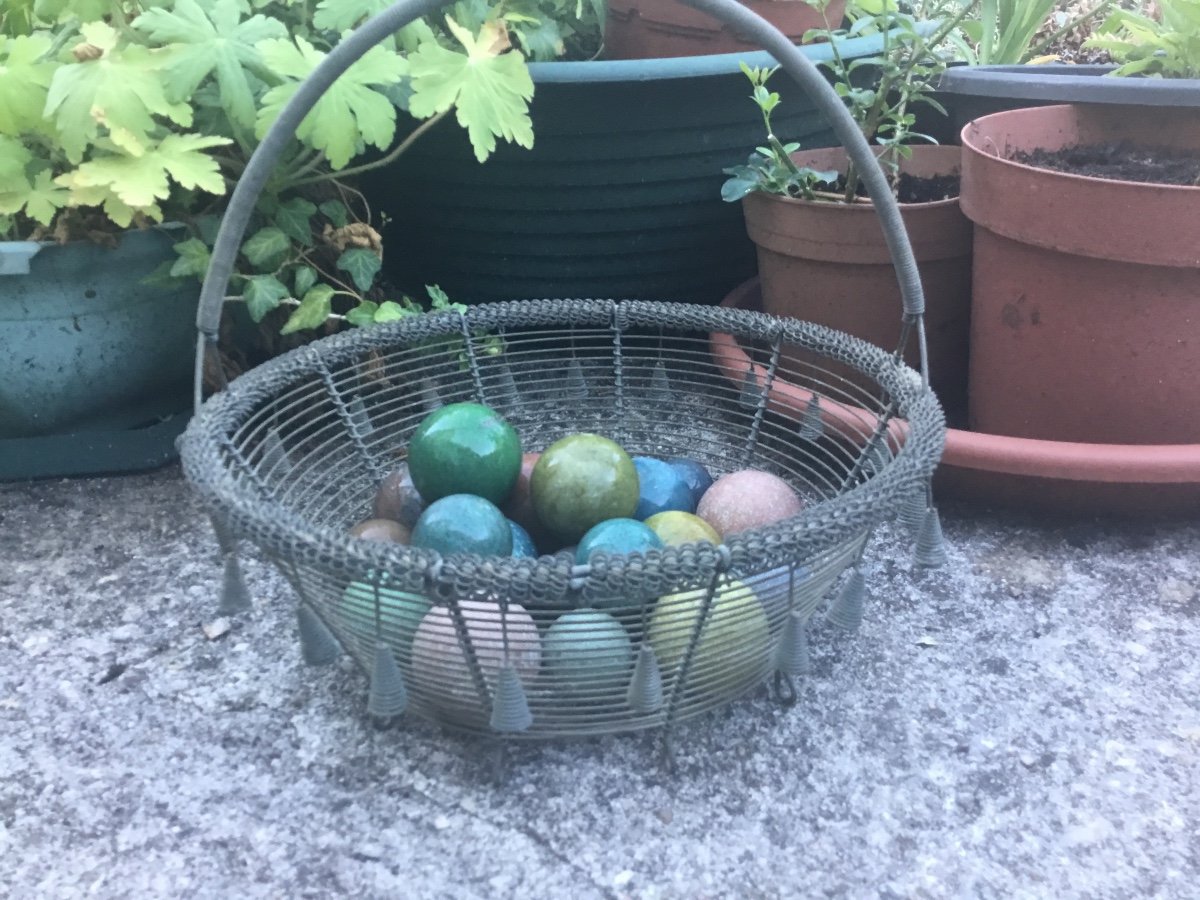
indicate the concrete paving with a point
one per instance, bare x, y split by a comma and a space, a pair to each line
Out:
1022, 723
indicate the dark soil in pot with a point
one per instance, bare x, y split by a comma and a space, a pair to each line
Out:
1119, 162
911, 188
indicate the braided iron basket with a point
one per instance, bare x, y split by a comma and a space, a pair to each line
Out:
290, 455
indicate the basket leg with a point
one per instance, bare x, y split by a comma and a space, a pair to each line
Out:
234, 597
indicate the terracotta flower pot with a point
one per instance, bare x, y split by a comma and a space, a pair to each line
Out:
657, 29
1086, 301
827, 262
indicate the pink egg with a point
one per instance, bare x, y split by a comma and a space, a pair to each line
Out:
747, 499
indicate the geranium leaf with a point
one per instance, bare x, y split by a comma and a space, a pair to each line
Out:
489, 88
342, 15
350, 114
193, 256
262, 294
24, 82
120, 89
294, 218
312, 312
266, 248
211, 38
362, 265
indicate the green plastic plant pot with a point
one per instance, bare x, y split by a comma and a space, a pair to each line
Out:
86, 344
619, 197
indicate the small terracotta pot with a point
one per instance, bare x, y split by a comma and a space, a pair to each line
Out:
658, 29
827, 262
1086, 301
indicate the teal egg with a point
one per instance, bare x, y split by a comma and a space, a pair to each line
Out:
399, 614
617, 536
587, 656
522, 542
464, 448
463, 523
661, 488
581, 480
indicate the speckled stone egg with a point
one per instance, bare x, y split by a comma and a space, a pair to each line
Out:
587, 656
580, 481
661, 487
675, 527
463, 523
439, 663
399, 615
733, 644
522, 543
465, 448
747, 499
616, 536
694, 473
386, 530
398, 498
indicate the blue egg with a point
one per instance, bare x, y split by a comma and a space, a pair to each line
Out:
694, 473
661, 488
522, 542
617, 536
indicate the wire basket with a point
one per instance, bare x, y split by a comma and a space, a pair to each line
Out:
291, 454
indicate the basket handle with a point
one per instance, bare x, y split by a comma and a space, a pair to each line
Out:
378, 28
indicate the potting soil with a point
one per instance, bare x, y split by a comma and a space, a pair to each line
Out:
1119, 161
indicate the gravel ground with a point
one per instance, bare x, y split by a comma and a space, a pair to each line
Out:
1024, 722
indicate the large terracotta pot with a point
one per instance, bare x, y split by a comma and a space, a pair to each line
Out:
656, 29
1086, 300
827, 262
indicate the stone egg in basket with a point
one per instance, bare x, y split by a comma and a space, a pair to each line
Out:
292, 455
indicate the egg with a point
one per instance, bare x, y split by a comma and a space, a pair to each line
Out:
616, 536
400, 612
398, 498
387, 531
463, 523
587, 656
674, 528
522, 543
694, 474
661, 487
747, 499
464, 448
580, 481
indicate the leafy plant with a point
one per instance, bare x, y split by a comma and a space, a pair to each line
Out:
1164, 48
902, 75
1010, 32
123, 113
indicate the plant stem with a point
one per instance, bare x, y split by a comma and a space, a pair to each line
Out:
379, 163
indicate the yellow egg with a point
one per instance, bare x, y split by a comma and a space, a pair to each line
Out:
675, 527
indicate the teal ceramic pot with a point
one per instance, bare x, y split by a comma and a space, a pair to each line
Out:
85, 345
619, 197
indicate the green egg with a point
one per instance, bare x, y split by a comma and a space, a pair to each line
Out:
464, 448
580, 481
399, 615
587, 656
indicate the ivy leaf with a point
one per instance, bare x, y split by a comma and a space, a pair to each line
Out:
141, 181
362, 265
306, 277
294, 217
391, 311
207, 226
489, 88
363, 314
342, 15
262, 294
212, 38
312, 312
350, 114
335, 211
120, 89
193, 258
266, 247
23, 83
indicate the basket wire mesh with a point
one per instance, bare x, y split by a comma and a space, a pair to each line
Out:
291, 454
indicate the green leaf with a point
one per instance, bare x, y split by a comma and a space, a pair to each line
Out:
44, 198
391, 311
363, 314
350, 114
305, 278
193, 258
362, 265
121, 90
24, 83
14, 160
207, 227
262, 294
335, 211
342, 15
294, 218
141, 181
207, 39
266, 248
312, 312
489, 88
